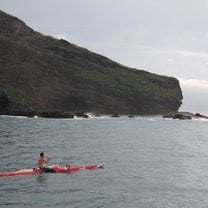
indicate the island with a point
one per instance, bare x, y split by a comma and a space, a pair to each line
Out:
49, 77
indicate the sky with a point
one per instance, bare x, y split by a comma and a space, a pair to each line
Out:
167, 37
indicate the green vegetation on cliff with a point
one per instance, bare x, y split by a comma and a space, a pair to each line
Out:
16, 97
43, 73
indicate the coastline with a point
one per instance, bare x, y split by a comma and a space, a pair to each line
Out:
84, 115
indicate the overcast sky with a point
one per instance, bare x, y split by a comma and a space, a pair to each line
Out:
168, 37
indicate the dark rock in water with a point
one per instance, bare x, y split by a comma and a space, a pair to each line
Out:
55, 114
182, 117
168, 116
115, 115
185, 115
31, 113
198, 115
85, 116
81, 115
131, 116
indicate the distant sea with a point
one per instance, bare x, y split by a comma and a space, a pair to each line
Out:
150, 162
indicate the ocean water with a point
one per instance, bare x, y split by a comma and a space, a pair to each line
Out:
150, 162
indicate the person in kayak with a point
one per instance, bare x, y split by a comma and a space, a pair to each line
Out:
41, 163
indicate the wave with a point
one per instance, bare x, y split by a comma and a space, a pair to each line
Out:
11, 116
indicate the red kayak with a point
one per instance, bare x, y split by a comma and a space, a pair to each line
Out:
56, 169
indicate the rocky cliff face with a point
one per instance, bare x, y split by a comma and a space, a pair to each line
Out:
45, 74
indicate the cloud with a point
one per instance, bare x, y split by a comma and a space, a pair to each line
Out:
170, 60
177, 62
188, 53
195, 94
194, 83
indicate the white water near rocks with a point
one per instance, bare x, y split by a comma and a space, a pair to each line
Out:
149, 162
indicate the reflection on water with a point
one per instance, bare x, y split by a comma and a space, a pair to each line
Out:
42, 178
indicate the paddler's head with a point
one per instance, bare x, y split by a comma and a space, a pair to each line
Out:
42, 154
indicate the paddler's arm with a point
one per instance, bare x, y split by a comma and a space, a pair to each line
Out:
47, 160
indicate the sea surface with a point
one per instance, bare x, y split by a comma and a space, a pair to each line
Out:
150, 162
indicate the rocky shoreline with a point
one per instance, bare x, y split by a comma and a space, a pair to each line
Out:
44, 114
54, 114
69, 115
185, 116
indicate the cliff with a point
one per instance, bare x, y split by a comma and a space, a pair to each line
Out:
41, 73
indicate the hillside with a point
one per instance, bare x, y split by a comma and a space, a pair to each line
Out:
41, 73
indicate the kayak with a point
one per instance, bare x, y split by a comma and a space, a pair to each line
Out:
55, 168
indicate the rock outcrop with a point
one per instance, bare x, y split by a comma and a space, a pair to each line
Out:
185, 116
